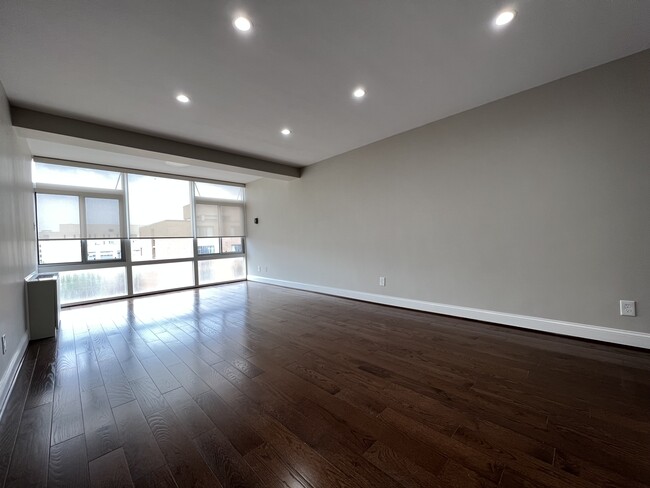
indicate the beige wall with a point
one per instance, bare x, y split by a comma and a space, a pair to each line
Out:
537, 204
17, 247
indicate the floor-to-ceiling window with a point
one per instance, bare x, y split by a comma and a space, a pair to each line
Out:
111, 233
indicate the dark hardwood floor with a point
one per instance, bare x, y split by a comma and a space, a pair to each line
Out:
253, 385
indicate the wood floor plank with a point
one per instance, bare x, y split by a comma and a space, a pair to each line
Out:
185, 346
67, 419
298, 457
271, 466
243, 365
188, 379
82, 342
369, 404
116, 383
160, 478
88, 371
598, 475
148, 396
142, 453
226, 419
193, 420
160, 375
248, 384
488, 437
10, 420
314, 377
69, 464
456, 475
66, 356
41, 389
364, 472
120, 347
509, 450
29, 461
133, 369
352, 427
134, 341
400, 468
163, 353
629, 461
185, 463
110, 471
99, 425
101, 345
480, 463
375, 394
225, 461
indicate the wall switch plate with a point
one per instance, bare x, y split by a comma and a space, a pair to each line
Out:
4, 343
382, 281
628, 308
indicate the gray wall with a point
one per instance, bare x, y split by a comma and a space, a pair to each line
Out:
537, 204
17, 247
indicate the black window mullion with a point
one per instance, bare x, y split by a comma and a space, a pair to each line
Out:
84, 251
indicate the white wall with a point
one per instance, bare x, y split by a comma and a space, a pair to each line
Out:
537, 204
17, 241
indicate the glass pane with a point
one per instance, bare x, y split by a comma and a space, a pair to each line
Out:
92, 284
219, 220
155, 277
157, 249
232, 244
232, 221
219, 192
207, 220
71, 176
159, 207
50, 252
58, 216
103, 217
104, 250
209, 245
219, 270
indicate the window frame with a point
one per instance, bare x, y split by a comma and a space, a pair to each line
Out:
221, 252
81, 193
122, 195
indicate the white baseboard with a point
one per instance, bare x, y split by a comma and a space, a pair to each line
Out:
572, 329
7, 380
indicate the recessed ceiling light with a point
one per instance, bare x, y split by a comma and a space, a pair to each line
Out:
285, 132
504, 17
242, 24
359, 92
181, 97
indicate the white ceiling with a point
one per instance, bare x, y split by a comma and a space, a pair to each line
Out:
121, 62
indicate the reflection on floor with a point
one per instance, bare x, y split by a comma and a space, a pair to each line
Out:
254, 385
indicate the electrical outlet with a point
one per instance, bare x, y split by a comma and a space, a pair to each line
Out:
4, 343
382, 281
259, 269
628, 308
